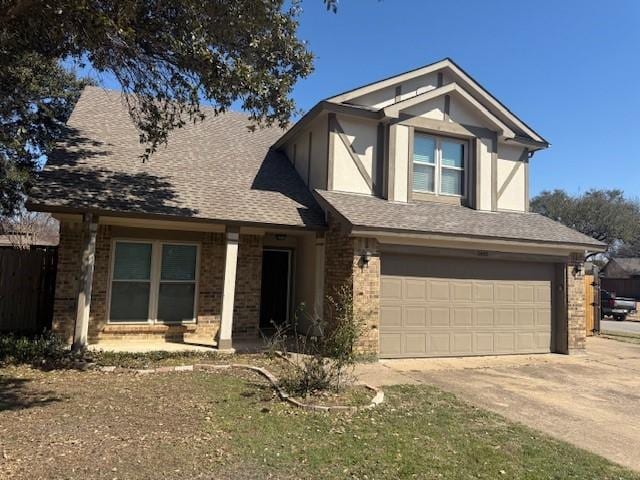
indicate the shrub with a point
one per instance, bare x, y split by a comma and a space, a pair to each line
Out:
321, 358
45, 349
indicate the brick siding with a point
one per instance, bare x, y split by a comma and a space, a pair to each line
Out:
246, 309
67, 280
343, 268
575, 308
210, 286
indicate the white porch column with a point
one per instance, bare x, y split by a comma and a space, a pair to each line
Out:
81, 328
318, 299
229, 289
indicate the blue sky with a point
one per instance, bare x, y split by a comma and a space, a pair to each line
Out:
568, 68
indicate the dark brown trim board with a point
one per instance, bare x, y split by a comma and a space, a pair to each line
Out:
379, 170
391, 164
331, 120
309, 151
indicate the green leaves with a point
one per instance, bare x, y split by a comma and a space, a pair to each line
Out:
602, 214
36, 97
169, 56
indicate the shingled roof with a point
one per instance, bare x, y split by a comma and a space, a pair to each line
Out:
364, 212
215, 170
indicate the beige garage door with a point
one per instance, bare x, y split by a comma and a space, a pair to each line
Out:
447, 306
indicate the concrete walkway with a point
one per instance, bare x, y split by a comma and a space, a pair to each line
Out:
196, 345
590, 400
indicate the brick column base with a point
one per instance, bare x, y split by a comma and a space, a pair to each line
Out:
575, 308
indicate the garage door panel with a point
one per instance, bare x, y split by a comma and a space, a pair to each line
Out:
543, 317
525, 317
391, 344
483, 292
484, 343
415, 343
439, 344
439, 317
543, 293
462, 292
415, 316
543, 341
462, 343
505, 317
390, 316
438, 291
484, 317
525, 341
462, 317
504, 342
505, 292
526, 293
391, 288
415, 289
433, 308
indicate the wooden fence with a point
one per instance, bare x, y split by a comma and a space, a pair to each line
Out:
27, 288
591, 294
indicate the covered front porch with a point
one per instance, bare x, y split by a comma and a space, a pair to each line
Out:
146, 282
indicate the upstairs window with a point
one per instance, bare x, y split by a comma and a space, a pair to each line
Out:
438, 165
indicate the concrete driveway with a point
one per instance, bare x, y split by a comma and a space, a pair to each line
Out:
590, 400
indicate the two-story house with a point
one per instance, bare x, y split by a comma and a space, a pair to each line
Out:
411, 192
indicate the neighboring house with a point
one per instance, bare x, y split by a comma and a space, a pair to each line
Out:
411, 191
622, 277
22, 240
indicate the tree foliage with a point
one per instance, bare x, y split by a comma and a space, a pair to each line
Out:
36, 98
605, 215
169, 56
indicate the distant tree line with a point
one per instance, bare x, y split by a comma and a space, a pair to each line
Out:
605, 215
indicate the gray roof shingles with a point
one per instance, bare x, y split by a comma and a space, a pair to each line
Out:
371, 213
631, 265
218, 170
214, 170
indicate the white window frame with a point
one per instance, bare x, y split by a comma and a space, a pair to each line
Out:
154, 287
438, 165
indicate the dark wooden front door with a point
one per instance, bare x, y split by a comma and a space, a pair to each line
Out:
274, 301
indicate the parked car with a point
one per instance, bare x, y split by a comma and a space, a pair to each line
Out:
616, 307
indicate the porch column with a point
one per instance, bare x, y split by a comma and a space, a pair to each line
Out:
81, 328
318, 299
229, 289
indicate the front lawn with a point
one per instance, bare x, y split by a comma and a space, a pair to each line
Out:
216, 425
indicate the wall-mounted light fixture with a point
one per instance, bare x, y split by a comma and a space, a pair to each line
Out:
365, 256
577, 269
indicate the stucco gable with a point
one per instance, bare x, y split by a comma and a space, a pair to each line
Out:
399, 88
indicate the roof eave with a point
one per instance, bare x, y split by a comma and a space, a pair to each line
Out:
360, 230
321, 107
356, 229
43, 207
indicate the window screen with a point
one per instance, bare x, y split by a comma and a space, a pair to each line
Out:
177, 283
131, 282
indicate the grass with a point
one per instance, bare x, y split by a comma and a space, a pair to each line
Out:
621, 336
70, 424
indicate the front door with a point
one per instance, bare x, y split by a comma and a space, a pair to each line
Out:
274, 301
